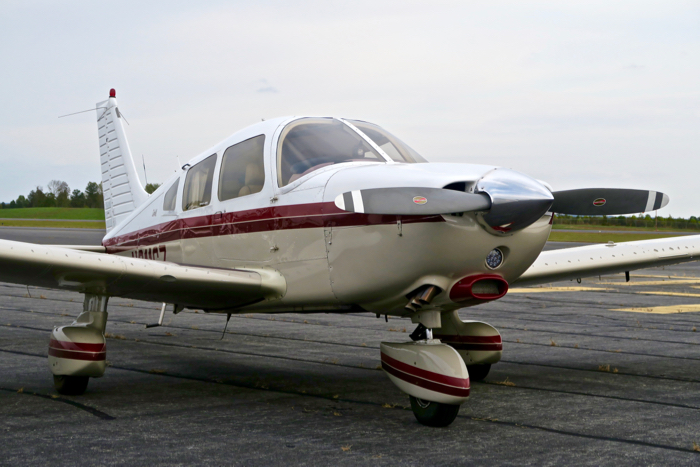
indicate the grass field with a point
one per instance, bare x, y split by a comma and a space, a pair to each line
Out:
595, 237
97, 214
52, 224
620, 228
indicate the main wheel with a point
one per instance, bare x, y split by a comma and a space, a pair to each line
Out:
70, 385
478, 372
433, 413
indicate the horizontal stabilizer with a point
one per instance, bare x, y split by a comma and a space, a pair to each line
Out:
607, 201
411, 201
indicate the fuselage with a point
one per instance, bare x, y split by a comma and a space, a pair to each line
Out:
226, 210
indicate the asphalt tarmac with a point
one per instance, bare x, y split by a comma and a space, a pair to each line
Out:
580, 383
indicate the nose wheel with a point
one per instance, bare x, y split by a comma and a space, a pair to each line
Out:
70, 385
478, 372
433, 414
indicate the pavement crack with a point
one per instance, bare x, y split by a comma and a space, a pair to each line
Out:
579, 435
587, 394
91, 410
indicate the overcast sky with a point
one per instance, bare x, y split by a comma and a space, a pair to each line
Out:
578, 94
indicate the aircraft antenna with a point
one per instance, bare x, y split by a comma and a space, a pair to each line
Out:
228, 318
144, 168
82, 111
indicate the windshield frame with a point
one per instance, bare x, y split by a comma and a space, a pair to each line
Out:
399, 145
284, 130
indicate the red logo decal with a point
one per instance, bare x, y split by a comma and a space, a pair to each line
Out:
419, 200
599, 202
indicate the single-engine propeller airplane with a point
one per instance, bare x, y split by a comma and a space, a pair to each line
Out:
321, 214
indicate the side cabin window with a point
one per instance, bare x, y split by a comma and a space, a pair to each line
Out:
197, 190
170, 195
242, 169
309, 144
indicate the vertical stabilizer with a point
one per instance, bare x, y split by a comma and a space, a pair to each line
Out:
121, 186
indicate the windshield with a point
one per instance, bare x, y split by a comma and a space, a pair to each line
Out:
309, 144
390, 144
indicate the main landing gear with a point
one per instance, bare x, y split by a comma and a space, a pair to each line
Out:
433, 368
78, 351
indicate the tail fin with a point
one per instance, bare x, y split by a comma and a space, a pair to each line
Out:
121, 186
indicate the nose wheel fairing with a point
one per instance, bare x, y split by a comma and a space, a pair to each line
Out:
427, 370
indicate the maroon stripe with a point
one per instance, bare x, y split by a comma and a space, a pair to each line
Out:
299, 216
73, 355
79, 346
425, 374
425, 384
470, 339
482, 347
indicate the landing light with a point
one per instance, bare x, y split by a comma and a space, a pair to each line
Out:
494, 258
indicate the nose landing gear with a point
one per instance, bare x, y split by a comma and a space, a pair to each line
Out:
432, 374
433, 414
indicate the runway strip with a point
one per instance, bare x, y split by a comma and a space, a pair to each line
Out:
579, 383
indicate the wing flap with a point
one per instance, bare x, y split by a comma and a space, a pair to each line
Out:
594, 260
141, 279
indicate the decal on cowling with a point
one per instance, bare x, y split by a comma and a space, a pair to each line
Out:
599, 202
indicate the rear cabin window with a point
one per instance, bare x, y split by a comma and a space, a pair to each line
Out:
312, 143
170, 197
242, 169
197, 190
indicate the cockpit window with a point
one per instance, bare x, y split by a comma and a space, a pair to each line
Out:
390, 144
170, 195
198, 182
312, 143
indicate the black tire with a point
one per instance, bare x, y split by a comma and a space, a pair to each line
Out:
70, 385
478, 372
433, 414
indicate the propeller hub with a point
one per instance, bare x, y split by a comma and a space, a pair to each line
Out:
517, 201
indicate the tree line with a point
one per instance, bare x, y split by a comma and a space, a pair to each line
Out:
59, 195
630, 221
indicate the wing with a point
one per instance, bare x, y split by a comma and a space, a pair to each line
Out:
140, 279
586, 261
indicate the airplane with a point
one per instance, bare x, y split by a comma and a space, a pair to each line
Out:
333, 215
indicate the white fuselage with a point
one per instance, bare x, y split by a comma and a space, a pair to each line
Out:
332, 260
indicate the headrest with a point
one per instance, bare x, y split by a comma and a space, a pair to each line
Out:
254, 174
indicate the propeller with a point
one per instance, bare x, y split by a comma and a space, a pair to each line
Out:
607, 201
505, 201
411, 201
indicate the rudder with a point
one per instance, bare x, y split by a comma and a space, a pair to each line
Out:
121, 185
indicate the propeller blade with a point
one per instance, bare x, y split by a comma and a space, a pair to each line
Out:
407, 201
607, 201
